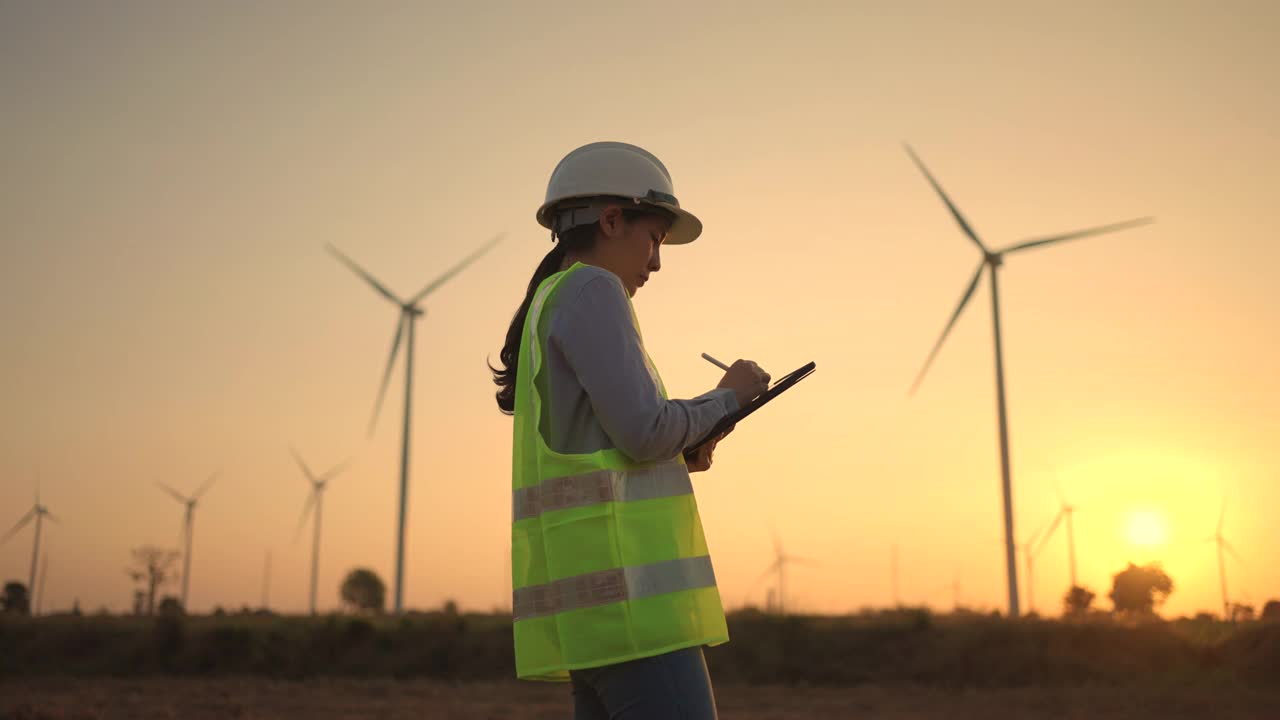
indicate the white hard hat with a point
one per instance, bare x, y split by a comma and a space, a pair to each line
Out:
587, 178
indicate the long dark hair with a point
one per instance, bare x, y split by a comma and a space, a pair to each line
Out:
579, 239
576, 240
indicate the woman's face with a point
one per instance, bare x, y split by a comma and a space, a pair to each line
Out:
631, 249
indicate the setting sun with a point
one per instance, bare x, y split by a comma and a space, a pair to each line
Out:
1148, 528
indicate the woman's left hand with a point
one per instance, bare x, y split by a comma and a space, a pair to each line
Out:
701, 459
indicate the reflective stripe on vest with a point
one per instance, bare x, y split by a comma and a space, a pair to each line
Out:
613, 585
562, 493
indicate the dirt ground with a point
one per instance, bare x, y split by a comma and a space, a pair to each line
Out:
260, 699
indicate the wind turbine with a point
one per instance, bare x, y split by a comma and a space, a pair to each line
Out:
410, 311
1065, 511
38, 513
1222, 544
991, 261
779, 566
188, 522
1029, 556
315, 500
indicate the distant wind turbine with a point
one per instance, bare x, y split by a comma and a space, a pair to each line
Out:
37, 512
1065, 511
1222, 544
779, 567
991, 261
410, 311
1029, 553
188, 523
315, 501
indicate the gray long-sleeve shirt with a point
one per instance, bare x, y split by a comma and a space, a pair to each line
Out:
600, 391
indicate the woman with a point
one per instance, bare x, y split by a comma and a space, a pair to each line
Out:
613, 586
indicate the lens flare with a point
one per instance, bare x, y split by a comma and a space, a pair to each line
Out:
1147, 528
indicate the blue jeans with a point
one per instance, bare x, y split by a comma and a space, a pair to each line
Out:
674, 686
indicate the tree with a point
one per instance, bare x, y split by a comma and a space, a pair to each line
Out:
170, 606
15, 598
1241, 612
1271, 611
363, 591
1139, 590
153, 567
1077, 601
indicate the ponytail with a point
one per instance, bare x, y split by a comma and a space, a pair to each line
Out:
578, 239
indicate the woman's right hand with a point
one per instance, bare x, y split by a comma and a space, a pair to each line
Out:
746, 379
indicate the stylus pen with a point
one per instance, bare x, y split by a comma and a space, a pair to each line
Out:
715, 362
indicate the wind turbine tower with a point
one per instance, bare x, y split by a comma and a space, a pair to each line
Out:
409, 311
991, 261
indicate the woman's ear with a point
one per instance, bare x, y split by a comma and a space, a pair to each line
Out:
611, 220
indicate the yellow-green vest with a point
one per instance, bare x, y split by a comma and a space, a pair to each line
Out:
608, 559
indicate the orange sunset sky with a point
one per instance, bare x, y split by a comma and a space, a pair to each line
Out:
172, 172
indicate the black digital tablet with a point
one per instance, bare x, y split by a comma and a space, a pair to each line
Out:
779, 386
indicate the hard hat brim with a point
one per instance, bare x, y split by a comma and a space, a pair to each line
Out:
684, 229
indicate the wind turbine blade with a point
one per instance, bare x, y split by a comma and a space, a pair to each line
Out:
336, 470
21, 524
456, 269
1057, 520
176, 495
1232, 551
1032, 540
50, 516
964, 224
964, 300
306, 510
207, 484
386, 375
1114, 227
303, 465
1222, 515
364, 274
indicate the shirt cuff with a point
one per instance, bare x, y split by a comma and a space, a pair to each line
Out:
727, 398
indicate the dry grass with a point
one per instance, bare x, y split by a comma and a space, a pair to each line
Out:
157, 698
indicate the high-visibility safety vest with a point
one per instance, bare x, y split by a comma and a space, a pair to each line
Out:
608, 559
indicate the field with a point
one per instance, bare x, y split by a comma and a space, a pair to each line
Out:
261, 699
900, 664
